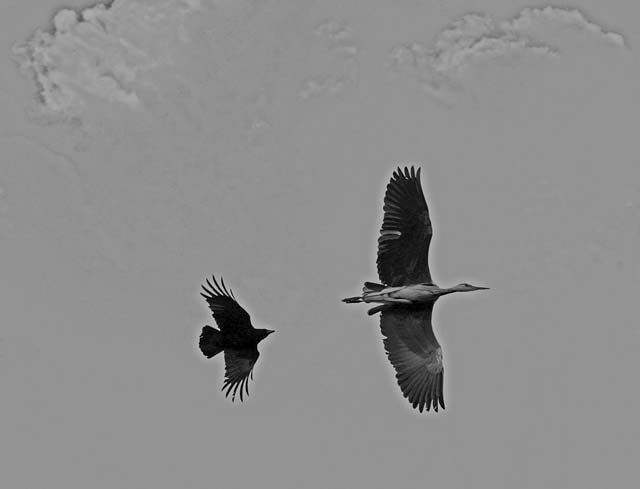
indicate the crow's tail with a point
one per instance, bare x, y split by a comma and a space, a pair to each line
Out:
210, 340
352, 300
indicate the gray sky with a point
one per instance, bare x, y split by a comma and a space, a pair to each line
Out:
149, 145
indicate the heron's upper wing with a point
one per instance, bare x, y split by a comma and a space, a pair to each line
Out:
403, 245
238, 367
415, 353
226, 311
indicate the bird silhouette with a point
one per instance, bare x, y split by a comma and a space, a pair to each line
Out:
408, 295
237, 338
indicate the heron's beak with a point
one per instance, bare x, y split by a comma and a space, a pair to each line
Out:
480, 288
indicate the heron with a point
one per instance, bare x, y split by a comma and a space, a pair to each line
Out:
237, 338
407, 293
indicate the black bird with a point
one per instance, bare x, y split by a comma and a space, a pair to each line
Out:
237, 338
409, 293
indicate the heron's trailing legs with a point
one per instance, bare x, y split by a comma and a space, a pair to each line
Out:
384, 298
352, 300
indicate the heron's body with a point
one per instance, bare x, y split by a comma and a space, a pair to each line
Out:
407, 295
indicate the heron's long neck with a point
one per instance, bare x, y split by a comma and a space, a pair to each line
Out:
450, 290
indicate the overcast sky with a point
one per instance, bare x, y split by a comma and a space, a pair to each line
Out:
149, 144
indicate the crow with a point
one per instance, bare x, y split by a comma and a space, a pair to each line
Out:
237, 338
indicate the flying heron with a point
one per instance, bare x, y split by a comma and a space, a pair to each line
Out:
407, 298
237, 338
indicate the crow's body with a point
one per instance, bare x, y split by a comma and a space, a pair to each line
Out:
237, 338
407, 295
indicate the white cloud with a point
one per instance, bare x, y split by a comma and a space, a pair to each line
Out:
477, 37
529, 17
338, 39
102, 51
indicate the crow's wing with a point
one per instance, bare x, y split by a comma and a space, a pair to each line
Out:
403, 245
415, 353
238, 367
226, 311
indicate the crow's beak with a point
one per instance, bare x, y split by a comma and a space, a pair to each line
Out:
269, 331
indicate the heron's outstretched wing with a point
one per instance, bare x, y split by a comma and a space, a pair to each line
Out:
415, 353
238, 368
226, 311
403, 245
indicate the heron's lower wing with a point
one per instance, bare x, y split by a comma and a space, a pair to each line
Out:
239, 365
415, 354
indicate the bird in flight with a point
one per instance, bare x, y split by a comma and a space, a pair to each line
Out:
237, 338
407, 297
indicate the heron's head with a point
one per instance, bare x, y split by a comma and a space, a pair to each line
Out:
464, 287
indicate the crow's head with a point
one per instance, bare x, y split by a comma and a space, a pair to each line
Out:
263, 333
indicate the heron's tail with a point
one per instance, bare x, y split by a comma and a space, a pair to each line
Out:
210, 341
372, 287
352, 300
381, 307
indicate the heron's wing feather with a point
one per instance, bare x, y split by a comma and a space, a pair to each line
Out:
403, 245
415, 354
226, 311
238, 367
